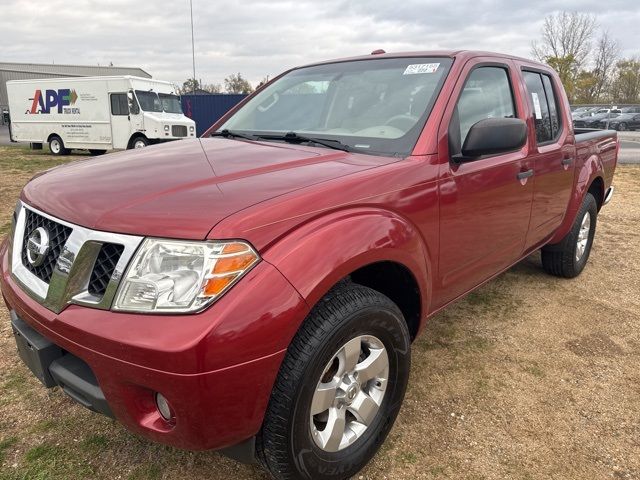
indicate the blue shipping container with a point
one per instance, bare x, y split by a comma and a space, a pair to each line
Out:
206, 109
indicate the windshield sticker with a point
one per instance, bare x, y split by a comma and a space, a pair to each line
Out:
536, 105
421, 68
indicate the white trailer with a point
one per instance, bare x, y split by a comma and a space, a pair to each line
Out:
96, 113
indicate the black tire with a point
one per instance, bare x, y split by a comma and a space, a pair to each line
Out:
622, 127
95, 153
560, 259
139, 140
285, 445
56, 146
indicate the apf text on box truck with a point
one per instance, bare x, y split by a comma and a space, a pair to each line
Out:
96, 113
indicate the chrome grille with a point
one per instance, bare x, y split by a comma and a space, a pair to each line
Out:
58, 235
85, 267
179, 130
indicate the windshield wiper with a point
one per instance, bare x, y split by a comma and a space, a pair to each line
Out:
293, 137
226, 133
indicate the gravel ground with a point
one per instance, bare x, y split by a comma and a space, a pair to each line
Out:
529, 377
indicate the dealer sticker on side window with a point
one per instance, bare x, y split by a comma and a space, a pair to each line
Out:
421, 68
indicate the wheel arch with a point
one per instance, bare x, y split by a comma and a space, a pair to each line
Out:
589, 179
375, 248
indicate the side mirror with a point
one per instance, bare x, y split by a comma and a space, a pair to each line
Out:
494, 135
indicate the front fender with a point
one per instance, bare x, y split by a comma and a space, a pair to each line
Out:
591, 169
320, 253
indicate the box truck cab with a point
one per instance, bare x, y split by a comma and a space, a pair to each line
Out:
96, 113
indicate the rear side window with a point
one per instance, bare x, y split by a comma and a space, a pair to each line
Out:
119, 104
486, 94
544, 104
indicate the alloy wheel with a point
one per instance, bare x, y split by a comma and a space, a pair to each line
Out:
349, 394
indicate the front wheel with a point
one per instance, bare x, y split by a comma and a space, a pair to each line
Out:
139, 142
339, 388
622, 127
569, 257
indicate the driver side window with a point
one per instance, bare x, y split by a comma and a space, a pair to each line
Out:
486, 94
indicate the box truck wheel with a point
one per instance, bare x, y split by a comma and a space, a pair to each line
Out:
138, 142
56, 145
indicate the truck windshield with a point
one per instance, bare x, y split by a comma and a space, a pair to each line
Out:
170, 103
149, 101
369, 106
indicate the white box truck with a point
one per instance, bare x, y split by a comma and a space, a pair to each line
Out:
96, 113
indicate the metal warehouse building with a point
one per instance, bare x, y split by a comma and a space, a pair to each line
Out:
26, 71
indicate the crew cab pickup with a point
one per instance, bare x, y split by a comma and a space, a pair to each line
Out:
257, 289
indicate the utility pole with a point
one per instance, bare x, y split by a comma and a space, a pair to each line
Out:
193, 48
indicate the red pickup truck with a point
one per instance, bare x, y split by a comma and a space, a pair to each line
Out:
257, 290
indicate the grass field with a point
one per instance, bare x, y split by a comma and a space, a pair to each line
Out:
529, 377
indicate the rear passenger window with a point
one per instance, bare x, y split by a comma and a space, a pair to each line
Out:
486, 94
544, 105
119, 104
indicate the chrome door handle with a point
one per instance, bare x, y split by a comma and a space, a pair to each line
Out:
567, 161
523, 175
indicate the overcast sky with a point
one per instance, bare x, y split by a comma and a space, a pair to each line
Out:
259, 38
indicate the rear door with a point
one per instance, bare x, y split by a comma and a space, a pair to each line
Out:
484, 206
553, 156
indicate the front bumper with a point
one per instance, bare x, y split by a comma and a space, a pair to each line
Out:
216, 368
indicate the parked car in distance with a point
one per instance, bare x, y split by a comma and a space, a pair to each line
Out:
257, 290
626, 121
593, 121
635, 109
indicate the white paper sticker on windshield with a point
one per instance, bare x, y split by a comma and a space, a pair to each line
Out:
421, 68
536, 105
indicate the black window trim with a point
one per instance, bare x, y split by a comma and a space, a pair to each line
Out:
554, 89
507, 68
111, 94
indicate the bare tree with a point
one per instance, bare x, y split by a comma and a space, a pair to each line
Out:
604, 62
566, 34
237, 84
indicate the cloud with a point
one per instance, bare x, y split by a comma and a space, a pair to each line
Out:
260, 38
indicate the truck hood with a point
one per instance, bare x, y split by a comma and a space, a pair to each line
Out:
182, 189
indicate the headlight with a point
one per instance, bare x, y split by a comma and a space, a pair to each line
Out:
182, 276
166, 128
191, 128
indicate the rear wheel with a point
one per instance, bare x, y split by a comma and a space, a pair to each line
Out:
56, 146
339, 389
622, 127
569, 257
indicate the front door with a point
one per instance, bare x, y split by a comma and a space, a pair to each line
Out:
485, 204
120, 120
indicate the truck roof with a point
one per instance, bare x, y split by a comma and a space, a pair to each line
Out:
461, 54
84, 79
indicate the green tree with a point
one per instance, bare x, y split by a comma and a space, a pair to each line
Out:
625, 87
567, 69
585, 87
237, 84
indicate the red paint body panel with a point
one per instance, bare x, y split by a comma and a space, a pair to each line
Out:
314, 215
